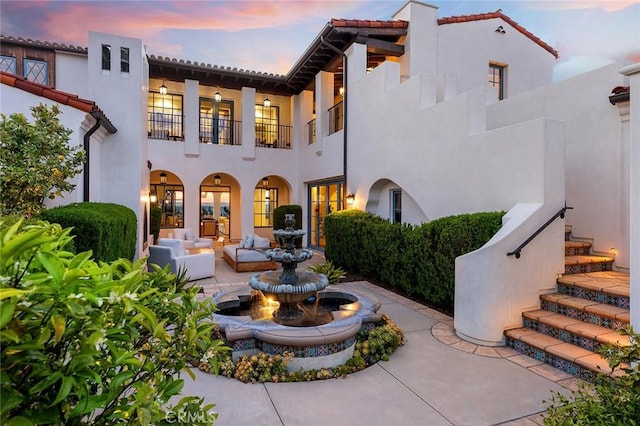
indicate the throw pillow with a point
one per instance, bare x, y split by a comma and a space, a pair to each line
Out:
188, 235
243, 242
259, 242
249, 242
179, 233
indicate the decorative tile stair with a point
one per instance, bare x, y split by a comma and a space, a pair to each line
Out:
591, 303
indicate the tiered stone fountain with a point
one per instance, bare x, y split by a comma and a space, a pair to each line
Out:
317, 326
290, 287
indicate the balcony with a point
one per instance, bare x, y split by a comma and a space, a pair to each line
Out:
311, 131
220, 131
336, 118
273, 136
165, 126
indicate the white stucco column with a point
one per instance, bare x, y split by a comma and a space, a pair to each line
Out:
191, 117
324, 101
248, 117
302, 114
421, 44
633, 72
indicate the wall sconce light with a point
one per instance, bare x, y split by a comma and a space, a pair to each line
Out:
153, 198
500, 30
216, 180
341, 91
163, 89
265, 181
350, 199
612, 250
267, 103
163, 177
217, 97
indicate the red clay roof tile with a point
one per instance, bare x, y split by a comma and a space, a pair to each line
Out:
49, 92
366, 23
499, 15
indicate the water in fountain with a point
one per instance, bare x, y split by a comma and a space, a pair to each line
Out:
289, 287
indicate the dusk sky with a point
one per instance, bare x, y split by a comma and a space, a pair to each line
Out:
269, 36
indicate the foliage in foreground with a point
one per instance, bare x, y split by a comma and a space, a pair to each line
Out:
87, 343
609, 400
36, 161
333, 273
372, 346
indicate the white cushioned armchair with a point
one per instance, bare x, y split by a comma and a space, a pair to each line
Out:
171, 252
188, 237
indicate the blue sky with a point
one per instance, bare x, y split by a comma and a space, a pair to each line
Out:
269, 36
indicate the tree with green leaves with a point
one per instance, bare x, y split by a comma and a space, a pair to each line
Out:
95, 343
36, 161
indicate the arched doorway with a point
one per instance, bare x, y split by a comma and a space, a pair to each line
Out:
167, 193
215, 206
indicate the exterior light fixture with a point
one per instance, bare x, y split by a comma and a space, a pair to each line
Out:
163, 177
341, 91
217, 97
153, 198
267, 102
350, 199
163, 89
265, 181
612, 250
216, 180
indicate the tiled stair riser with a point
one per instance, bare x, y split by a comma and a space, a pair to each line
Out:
585, 268
588, 317
594, 296
564, 335
556, 362
576, 251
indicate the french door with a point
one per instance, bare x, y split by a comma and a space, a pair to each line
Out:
324, 198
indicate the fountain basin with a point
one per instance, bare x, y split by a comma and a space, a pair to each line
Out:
313, 347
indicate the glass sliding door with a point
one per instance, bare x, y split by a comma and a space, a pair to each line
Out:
324, 198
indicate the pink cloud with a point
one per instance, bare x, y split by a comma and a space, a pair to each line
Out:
605, 5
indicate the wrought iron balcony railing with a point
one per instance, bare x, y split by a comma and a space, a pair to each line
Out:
273, 136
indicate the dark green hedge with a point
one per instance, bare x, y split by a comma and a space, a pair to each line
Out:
417, 260
109, 230
156, 221
279, 212
278, 220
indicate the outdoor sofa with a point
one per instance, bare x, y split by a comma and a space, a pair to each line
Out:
249, 255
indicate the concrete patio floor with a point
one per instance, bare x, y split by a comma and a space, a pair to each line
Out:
434, 379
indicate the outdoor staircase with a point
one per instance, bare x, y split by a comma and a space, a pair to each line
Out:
591, 303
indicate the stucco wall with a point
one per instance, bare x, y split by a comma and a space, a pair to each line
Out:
596, 155
465, 50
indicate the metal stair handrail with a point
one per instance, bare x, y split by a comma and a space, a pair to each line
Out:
559, 214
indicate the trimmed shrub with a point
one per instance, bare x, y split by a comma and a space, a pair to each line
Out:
109, 230
156, 220
416, 260
279, 212
278, 220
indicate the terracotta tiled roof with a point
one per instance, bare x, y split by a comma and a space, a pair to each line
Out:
43, 44
50, 93
365, 23
498, 14
620, 94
